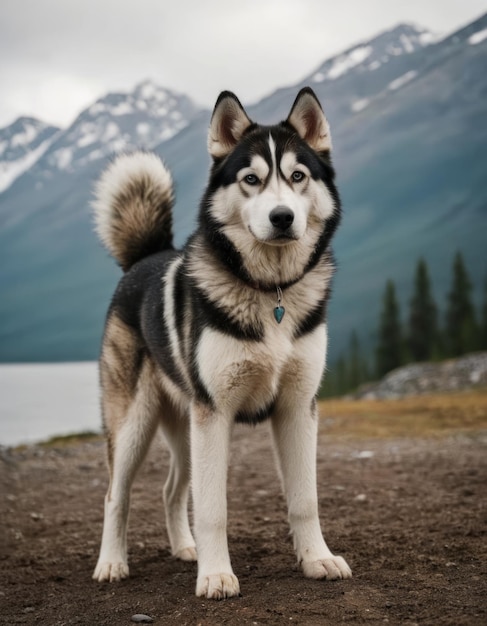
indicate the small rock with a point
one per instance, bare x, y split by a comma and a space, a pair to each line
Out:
360, 498
140, 618
364, 454
36, 516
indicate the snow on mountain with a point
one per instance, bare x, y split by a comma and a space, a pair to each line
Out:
402, 80
141, 118
21, 145
478, 37
404, 39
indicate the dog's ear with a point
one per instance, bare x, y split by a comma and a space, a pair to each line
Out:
228, 123
308, 119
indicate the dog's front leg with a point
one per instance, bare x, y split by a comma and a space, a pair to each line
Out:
210, 440
295, 433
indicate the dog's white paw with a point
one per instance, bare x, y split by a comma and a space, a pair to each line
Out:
187, 554
333, 568
110, 572
218, 586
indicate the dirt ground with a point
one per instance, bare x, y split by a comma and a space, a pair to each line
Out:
403, 497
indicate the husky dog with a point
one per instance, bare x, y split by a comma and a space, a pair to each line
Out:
230, 329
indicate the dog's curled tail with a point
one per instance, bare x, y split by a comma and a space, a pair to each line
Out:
133, 207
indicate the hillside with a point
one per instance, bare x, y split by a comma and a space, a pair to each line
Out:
408, 121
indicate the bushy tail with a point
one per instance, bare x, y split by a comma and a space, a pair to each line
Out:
133, 207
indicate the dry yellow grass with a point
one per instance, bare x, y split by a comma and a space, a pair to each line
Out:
418, 416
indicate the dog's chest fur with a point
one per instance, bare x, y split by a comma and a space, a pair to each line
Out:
243, 357
245, 378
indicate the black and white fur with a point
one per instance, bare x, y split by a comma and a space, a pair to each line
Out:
191, 344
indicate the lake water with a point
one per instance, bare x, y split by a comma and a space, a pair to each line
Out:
38, 401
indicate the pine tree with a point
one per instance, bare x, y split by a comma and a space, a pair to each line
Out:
389, 348
461, 331
357, 365
354, 367
341, 376
422, 340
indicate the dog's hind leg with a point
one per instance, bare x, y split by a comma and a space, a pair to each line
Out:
130, 430
295, 433
176, 489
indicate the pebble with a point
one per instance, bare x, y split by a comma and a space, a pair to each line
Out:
361, 497
364, 454
140, 618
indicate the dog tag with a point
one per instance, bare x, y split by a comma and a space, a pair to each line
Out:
279, 313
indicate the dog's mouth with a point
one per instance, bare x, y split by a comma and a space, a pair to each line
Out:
282, 238
277, 238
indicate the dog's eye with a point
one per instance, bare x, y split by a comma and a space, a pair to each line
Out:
251, 179
297, 176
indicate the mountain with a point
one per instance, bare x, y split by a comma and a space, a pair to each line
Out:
118, 122
407, 114
21, 145
54, 276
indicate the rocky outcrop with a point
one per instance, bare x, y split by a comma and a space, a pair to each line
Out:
419, 378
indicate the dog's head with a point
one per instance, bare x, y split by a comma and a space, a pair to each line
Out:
272, 186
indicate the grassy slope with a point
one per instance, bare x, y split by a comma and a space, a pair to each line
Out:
417, 416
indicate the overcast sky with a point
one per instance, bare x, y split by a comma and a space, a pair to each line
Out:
58, 56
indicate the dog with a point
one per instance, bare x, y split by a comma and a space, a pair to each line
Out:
232, 328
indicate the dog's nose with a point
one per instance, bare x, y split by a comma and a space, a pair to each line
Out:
281, 217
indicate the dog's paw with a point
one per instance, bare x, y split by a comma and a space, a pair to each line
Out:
110, 572
187, 554
218, 586
332, 568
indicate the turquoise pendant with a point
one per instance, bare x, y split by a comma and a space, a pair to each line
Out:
279, 310
279, 313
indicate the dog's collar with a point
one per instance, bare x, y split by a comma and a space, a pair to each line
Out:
279, 310
267, 288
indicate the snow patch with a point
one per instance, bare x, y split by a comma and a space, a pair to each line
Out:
122, 108
143, 129
406, 44
62, 158
360, 105
95, 154
89, 136
111, 131
478, 37
24, 138
346, 62
98, 107
161, 96
10, 170
402, 80
318, 77
427, 38
374, 65
148, 90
